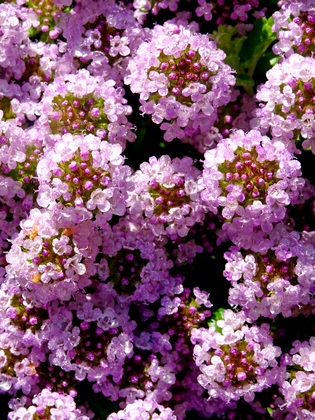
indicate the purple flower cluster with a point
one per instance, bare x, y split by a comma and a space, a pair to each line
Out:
294, 25
46, 404
181, 77
167, 194
287, 100
274, 280
236, 361
298, 384
253, 179
142, 169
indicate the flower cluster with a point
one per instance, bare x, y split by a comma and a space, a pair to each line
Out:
235, 359
287, 100
181, 77
101, 36
167, 194
82, 172
253, 179
52, 405
82, 104
298, 385
273, 281
55, 255
294, 26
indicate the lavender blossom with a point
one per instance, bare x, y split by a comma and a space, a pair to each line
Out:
22, 345
235, 12
144, 409
83, 172
19, 154
46, 404
91, 336
294, 26
253, 179
181, 79
235, 359
52, 256
102, 35
83, 104
276, 281
298, 386
237, 114
167, 195
15, 23
286, 101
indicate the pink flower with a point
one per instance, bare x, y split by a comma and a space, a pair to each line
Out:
184, 69
252, 178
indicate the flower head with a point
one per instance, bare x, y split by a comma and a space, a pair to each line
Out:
252, 178
287, 101
235, 360
181, 79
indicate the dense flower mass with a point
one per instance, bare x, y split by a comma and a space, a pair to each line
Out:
298, 384
252, 178
287, 100
55, 255
82, 104
294, 26
274, 281
53, 405
167, 194
238, 360
181, 77
102, 35
157, 202
85, 173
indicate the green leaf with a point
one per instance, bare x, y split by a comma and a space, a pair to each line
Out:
245, 80
244, 52
215, 317
231, 43
257, 43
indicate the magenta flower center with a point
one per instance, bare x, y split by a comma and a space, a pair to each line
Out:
47, 13
306, 22
77, 115
57, 379
269, 269
135, 371
181, 72
239, 363
304, 100
93, 343
166, 198
189, 315
81, 179
251, 174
